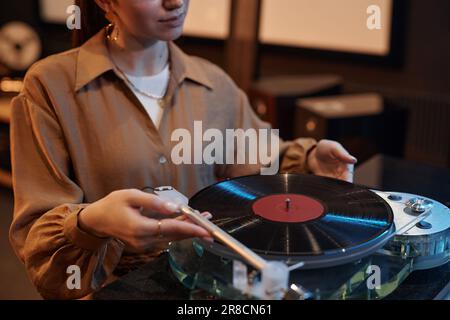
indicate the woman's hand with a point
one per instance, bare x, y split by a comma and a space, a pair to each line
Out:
119, 215
330, 159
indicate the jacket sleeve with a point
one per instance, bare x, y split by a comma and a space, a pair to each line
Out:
291, 155
44, 231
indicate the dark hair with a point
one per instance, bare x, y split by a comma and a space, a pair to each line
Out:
92, 21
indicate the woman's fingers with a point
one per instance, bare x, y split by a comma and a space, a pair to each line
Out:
347, 173
172, 228
168, 229
348, 176
150, 202
207, 215
209, 239
339, 152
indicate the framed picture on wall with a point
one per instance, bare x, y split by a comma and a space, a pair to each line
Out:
208, 19
366, 29
54, 11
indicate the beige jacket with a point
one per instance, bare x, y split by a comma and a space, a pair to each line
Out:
79, 133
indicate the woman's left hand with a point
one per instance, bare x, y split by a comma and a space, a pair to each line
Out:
330, 159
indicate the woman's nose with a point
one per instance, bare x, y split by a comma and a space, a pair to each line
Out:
172, 4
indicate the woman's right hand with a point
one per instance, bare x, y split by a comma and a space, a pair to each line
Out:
119, 215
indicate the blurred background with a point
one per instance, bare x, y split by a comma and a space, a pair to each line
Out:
372, 74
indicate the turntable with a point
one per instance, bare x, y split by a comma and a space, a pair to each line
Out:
292, 236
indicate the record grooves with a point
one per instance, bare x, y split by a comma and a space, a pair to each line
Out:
298, 217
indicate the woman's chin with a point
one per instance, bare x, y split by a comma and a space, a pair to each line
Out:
171, 35
162, 35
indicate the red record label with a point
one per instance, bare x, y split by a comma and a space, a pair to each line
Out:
291, 208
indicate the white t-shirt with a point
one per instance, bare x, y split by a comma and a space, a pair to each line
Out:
154, 85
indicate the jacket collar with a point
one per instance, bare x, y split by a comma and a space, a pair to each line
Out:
93, 61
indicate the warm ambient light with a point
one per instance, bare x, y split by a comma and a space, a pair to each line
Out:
11, 85
311, 125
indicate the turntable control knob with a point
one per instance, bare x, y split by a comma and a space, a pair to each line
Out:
419, 205
394, 197
424, 225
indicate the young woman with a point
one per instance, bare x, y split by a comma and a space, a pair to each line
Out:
92, 128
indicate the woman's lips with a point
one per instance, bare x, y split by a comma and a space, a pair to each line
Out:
173, 22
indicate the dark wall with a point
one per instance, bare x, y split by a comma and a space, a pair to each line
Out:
25, 10
424, 64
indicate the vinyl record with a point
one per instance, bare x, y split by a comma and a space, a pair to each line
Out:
294, 217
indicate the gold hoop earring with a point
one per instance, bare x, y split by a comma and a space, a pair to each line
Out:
109, 30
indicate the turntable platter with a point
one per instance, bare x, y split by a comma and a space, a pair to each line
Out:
297, 217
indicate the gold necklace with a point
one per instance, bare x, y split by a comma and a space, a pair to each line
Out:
159, 99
